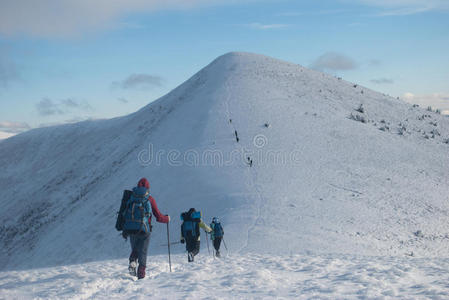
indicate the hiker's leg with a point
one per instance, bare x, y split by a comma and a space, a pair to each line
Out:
217, 243
134, 253
144, 243
190, 246
196, 248
190, 242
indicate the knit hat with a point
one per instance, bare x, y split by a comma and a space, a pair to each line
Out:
143, 183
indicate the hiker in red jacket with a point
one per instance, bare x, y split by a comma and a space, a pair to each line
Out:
137, 225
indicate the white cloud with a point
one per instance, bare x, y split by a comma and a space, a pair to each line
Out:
436, 100
48, 107
66, 18
141, 81
261, 26
404, 7
333, 61
406, 3
13, 127
122, 100
404, 11
382, 81
312, 13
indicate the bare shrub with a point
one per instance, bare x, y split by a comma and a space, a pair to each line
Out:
360, 109
357, 117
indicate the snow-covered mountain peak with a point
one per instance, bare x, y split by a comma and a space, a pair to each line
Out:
292, 160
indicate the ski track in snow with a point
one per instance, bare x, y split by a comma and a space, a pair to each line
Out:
248, 171
248, 277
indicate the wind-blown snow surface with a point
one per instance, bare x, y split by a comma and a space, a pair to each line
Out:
320, 183
238, 277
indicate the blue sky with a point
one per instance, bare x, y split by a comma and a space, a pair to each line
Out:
63, 61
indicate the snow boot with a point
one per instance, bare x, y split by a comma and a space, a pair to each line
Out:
132, 268
141, 272
190, 257
217, 254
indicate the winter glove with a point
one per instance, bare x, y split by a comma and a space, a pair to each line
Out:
182, 241
124, 235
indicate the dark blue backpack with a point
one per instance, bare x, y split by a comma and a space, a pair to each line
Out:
218, 230
137, 212
120, 218
190, 224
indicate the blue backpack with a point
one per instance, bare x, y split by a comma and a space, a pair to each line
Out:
137, 212
190, 223
217, 229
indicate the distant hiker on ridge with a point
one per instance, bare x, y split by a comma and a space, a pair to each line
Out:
236, 136
216, 234
136, 223
250, 161
190, 232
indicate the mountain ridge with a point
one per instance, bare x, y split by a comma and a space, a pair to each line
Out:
349, 188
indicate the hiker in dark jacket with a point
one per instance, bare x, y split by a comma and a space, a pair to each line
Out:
190, 232
139, 229
216, 234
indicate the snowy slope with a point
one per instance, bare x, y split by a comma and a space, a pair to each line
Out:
320, 181
5, 135
238, 277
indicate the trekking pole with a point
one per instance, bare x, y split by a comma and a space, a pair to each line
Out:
224, 243
207, 241
171, 243
168, 239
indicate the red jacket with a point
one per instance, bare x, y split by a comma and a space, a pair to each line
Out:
159, 216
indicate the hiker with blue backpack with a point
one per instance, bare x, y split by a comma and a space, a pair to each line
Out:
135, 221
216, 234
190, 232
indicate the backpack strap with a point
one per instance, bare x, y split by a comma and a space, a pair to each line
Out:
146, 195
132, 211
